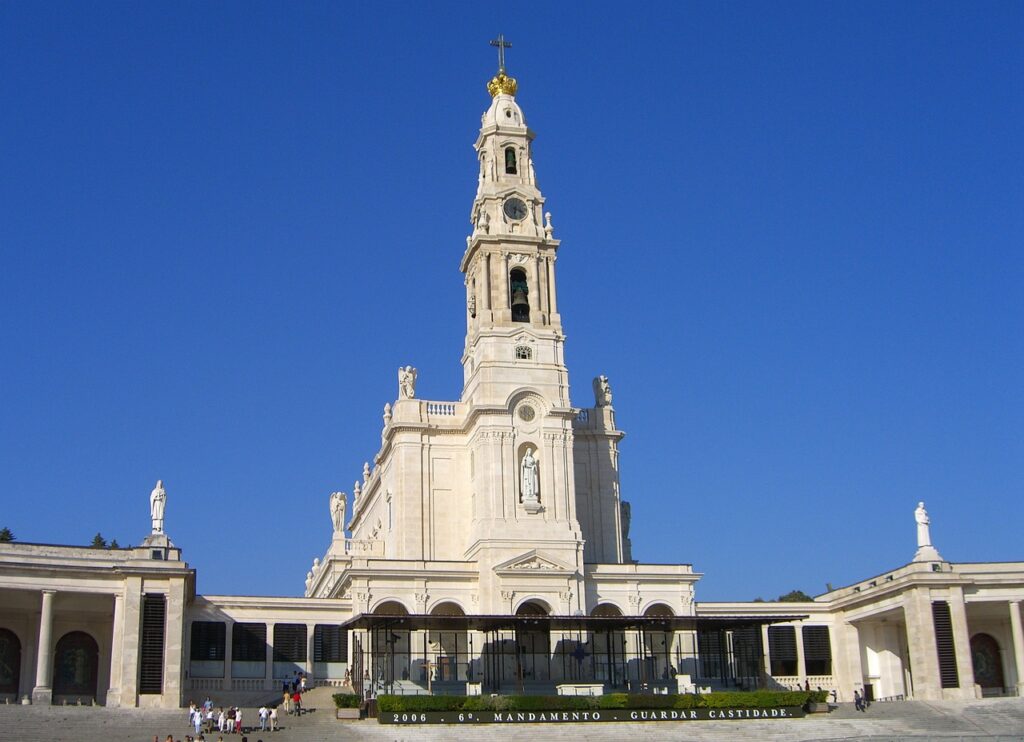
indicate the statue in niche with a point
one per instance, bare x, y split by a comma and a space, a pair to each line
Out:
338, 511
407, 383
366, 472
602, 392
157, 503
921, 516
387, 413
624, 516
529, 484
483, 222
472, 305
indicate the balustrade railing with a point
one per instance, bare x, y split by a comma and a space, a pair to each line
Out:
441, 409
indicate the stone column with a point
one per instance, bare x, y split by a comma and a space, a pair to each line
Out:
487, 282
268, 674
116, 643
506, 297
847, 648
228, 630
1018, 644
924, 659
538, 273
553, 285
310, 633
962, 644
174, 649
766, 659
801, 665
43, 691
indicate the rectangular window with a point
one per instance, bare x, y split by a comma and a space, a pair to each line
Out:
330, 644
711, 650
817, 650
782, 650
151, 644
290, 642
948, 674
208, 641
249, 642
747, 651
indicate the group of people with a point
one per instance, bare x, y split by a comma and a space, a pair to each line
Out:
203, 718
860, 702
292, 689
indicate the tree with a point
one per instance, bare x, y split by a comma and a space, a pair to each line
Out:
795, 596
98, 542
6, 535
114, 544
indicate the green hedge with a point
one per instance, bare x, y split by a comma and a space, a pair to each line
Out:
722, 699
346, 700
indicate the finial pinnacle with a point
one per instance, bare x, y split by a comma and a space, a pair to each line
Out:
501, 84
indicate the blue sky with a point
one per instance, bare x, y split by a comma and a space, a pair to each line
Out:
791, 237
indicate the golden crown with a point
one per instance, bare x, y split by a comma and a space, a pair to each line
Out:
502, 84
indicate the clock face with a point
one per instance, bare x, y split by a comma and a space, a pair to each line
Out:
515, 209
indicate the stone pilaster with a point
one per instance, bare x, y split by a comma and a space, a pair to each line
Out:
268, 673
174, 639
116, 648
924, 658
43, 690
962, 644
310, 647
801, 665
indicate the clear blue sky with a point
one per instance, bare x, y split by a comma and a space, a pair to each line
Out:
791, 236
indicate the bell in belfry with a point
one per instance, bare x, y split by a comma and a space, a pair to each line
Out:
520, 299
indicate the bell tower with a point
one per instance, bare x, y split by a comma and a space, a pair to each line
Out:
513, 329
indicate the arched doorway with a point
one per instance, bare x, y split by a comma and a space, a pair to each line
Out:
447, 653
10, 663
533, 645
988, 664
75, 666
391, 648
609, 648
657, 646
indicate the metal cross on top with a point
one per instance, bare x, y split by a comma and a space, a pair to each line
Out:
502, 46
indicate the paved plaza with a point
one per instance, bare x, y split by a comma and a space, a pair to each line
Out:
995, 719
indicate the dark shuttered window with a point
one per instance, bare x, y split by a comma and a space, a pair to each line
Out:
290, 642
817, 650
151, 644
944, 645
208, 641
782, 649
711, 649
249, 642
330, 644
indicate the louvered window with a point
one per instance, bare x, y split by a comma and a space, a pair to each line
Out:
330, 644
151, 644
817, 650
747, 651
944, 645
782, 649
290, 642
249, 642
208, 641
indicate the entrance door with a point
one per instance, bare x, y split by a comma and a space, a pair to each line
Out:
988, 665
10, 662
75, 666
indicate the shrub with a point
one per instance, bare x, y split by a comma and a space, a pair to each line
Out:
346, 700
720, 699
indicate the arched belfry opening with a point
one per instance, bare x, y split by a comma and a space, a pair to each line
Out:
510, 161
519, 295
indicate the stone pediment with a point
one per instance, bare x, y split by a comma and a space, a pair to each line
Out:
534, 563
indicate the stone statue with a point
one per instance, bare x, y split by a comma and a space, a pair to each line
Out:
472, 305
529, 485
625, 515
387, 414
483, 222
309, 582
356, 491
157, 502
366, 472
925, 551
921, 516
338, 511
407, 383
316, 566
602, 392
549, 229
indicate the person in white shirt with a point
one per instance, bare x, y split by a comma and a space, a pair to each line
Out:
273, 719
221, 720
263, 718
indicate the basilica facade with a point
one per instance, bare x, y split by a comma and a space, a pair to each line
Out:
486, 549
